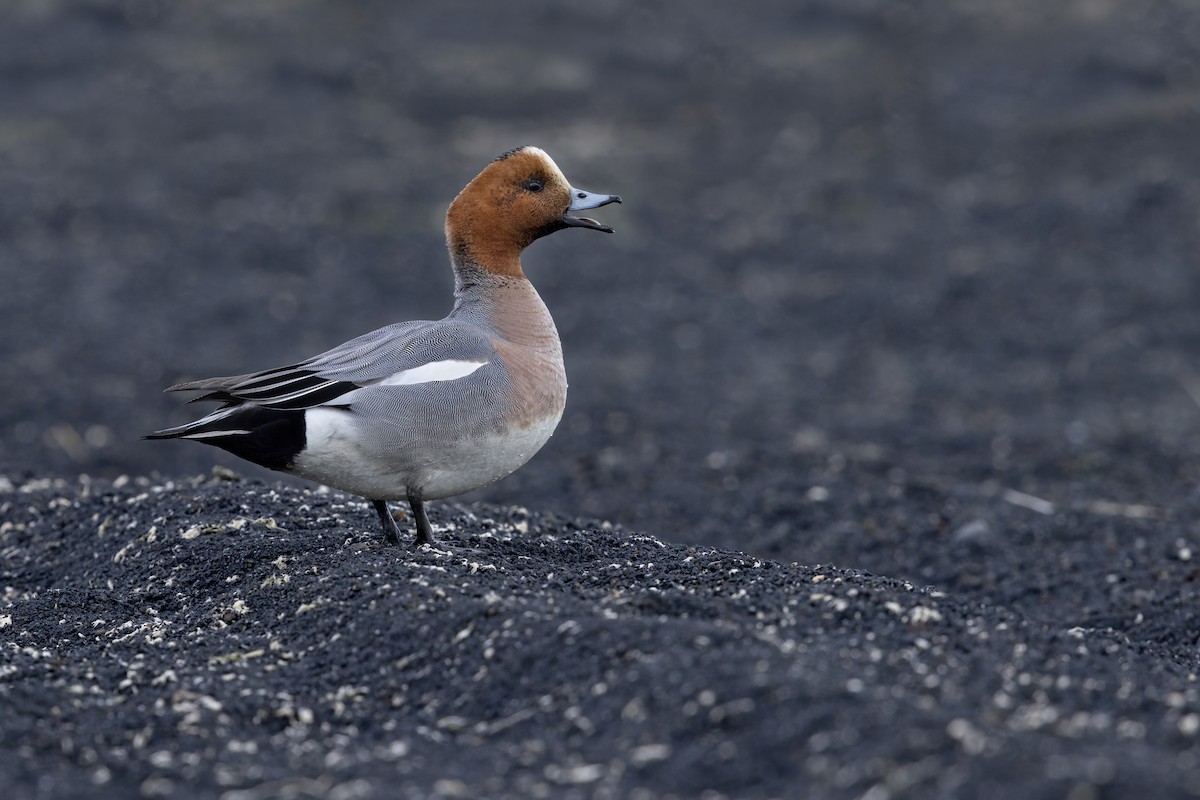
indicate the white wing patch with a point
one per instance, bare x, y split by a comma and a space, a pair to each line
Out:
450, 369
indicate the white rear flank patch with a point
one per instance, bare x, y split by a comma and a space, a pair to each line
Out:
335, 455
450, 369
326, 428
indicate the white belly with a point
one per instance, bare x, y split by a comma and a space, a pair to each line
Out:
336, 454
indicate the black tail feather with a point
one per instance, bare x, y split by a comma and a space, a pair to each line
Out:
264, 436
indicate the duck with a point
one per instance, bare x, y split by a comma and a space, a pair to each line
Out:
426, 409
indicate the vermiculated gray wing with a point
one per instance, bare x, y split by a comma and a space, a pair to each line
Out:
368, 359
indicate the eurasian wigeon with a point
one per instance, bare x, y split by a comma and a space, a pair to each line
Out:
424, 410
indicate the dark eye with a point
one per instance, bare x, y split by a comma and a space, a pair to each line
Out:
533, 185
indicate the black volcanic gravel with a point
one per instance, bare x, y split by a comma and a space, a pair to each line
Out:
879, 471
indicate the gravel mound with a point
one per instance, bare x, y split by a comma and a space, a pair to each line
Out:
228, 638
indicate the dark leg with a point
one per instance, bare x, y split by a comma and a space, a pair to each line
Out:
424, 531
390, 531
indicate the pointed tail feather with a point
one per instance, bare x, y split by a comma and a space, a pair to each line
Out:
205, 427
265, 436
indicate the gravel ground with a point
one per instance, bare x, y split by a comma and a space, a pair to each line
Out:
879, 471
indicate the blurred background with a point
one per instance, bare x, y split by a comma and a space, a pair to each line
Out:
869, 249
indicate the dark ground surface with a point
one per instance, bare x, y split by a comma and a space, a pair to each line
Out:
906, 289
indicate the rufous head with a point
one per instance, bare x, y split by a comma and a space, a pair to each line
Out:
517, 199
